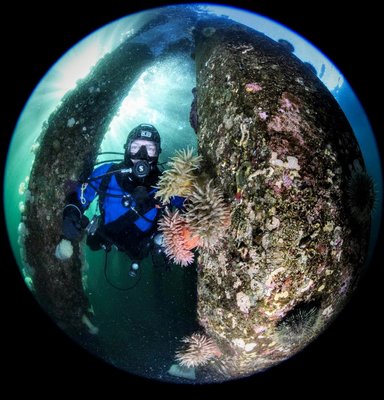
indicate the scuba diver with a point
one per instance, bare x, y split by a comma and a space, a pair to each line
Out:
128, 210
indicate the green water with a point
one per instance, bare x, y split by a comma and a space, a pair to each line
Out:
140, 328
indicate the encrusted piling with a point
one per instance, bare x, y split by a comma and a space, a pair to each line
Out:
281, 150
68, 147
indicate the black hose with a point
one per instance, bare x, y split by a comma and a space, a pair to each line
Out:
94, 178
110, 152
113, 285
108, 161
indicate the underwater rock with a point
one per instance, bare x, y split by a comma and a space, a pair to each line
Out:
68, 147
277, 145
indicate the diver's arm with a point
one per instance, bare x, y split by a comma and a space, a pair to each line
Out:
73, 219
74, 222
73, 198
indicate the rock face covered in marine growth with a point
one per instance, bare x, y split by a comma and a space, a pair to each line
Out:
68, 148
279, 147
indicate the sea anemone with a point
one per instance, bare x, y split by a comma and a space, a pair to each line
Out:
209, 31
197, 351
207, 215
64, 250
360, 196
178, 180
299, 325
178, 240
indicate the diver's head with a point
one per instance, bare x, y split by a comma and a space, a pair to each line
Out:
142, 149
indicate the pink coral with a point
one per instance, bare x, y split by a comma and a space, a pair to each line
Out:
289, 119
253, 87
263, 115
287, 181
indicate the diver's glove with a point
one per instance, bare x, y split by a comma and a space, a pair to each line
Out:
73, 222
143, 202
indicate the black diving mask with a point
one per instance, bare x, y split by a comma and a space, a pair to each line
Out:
142, 164
141, 154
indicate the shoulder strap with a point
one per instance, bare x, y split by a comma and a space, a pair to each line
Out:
103, 187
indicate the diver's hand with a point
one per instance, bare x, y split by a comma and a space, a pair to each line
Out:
72, 222
142, 199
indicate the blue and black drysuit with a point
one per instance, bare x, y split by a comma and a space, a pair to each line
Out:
129, 212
